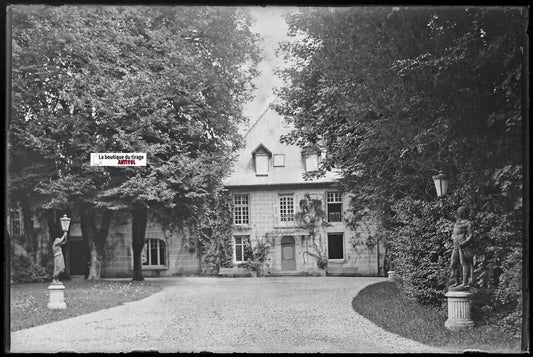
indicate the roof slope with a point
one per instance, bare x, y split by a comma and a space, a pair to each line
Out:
267, 131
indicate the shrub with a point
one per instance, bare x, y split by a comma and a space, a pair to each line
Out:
509, 292
420, 245
260, 251
322, 262
23, 270
250, 264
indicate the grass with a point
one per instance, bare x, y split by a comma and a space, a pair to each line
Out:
29, 301
384, 305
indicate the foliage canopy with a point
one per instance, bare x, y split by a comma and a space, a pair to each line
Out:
167, 81
395, 94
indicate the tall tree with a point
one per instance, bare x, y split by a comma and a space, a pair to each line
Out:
191, 102
396, 94
168, 81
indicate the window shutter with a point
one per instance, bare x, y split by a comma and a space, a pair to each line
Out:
275, 199
261, 164
311, 162
296, 203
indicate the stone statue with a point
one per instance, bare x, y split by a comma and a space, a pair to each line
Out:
59, 262
462, 254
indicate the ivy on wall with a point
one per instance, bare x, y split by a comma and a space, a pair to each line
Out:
312, 218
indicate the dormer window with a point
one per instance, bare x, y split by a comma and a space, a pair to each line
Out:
261, 165
261, 157
310, 155
311, 162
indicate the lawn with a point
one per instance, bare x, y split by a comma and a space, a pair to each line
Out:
384, 305
29, 301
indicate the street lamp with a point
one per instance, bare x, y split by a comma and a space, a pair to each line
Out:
65, 222
57, 289
459, 316
441, 184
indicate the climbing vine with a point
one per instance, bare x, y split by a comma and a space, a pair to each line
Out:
312, 218
213, 229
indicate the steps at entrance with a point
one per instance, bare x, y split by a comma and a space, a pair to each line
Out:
341, 271
288, 273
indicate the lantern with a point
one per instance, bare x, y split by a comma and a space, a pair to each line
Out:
65, 222
441, 184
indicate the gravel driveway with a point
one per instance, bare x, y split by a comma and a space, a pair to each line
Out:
194, 314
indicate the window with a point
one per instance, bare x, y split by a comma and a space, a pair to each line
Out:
311, 155
334, 200
261, 157
261, 165
15, 224
242, 250
279, 160
240, 209
311, 162
335, 246
286, 208
154, 253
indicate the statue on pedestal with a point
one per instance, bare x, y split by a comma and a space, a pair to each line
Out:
462, 254
59, 261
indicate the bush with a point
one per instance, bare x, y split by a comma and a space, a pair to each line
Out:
23, 270
420, 245
509, 292
322, 262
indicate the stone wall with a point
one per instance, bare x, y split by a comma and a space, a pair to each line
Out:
118, 255
118, 260
265, 225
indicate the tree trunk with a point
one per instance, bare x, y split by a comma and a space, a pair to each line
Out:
88, 231
95, 239
54, 227
100, 244
138, 230
96, 263
30, 241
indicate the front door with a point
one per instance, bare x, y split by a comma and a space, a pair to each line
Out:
288, 258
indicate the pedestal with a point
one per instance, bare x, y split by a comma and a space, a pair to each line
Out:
392, 275
57, 296
458, 310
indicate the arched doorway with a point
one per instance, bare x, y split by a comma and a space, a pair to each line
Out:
288, 256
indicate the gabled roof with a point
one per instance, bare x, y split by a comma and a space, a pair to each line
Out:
265, 133
261, 147
256, 121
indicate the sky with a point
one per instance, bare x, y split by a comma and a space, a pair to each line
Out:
272, 27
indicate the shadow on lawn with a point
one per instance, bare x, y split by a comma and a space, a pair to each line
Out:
387, 307
28, 302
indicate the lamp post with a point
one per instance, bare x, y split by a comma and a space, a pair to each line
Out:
441, 184
65, 223
57, 290
458, 301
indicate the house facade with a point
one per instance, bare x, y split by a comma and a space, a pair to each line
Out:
267, 186
165, 253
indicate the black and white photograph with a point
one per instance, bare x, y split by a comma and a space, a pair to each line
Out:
239, 178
